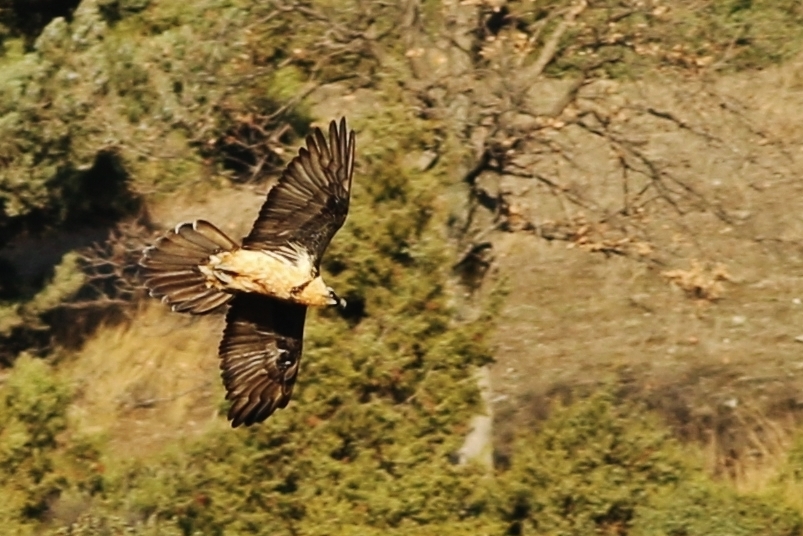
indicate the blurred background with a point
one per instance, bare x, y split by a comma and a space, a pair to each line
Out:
573, 262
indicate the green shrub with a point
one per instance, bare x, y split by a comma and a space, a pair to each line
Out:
33, 407
38, 460
697, 507
630, 38
588, 470
109, 525
599, 468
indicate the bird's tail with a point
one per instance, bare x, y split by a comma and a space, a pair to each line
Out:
172, 267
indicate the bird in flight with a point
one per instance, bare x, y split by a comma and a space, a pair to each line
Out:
269, 280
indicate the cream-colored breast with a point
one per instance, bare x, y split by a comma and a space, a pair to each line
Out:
261, 272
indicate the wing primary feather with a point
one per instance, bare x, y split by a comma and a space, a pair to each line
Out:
337, 137
323, 147
310, 201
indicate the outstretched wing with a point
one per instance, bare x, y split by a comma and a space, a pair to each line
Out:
259, 353
310, 202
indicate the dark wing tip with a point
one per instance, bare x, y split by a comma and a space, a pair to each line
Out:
343, 143
261, 403
310, 201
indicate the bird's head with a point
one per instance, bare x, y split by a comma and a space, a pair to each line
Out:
334, 299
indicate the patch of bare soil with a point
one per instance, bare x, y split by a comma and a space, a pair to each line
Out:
233, 210
651, 237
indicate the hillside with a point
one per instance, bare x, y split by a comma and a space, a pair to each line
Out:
591, 207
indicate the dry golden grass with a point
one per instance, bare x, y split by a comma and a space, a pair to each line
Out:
726, 376
149, 382
723, 368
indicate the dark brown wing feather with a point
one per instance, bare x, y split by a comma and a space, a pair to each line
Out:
311, 200
259, 353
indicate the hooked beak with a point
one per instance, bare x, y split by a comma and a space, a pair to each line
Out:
337, 300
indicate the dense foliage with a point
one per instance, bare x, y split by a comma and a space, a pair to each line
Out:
370, 467
601, 468
133, 100
36, 467
627, 38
